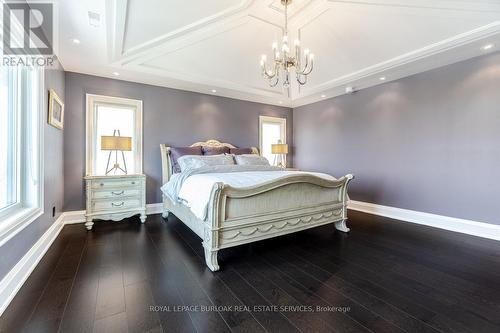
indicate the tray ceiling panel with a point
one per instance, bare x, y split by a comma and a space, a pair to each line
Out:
215, 46
348, 37
231, 56
147, 20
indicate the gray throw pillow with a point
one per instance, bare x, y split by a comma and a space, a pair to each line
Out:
178, 152
214, 150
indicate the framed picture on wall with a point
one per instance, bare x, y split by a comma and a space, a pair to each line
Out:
56, 110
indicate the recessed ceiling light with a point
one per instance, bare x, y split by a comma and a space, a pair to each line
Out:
487, 47
323, 96
214, 91
349, 89
382, 78
75, 41
116, 74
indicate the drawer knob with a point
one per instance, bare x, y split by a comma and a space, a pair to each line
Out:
117, 205
133, 183
102, 184
118, 193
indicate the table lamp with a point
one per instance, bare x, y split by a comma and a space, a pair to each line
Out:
280, 150
116, 143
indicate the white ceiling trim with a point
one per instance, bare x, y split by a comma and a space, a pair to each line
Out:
208, 23
402, 60
484, 6
135, 63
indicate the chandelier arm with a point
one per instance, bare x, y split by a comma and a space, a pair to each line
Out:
303, 70
301, 82
277, 77
266, 73
310, 68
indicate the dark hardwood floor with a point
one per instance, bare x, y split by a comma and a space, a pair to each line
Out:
384, 276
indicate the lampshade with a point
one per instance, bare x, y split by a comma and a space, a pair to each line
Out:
123, 143
279, 148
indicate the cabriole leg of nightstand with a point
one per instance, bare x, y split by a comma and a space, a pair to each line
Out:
143, 217
89, 223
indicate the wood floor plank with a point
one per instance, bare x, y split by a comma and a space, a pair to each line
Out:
110, 291
81, 307
272, 321
393, 292
363, 297
116, 323
128, 277
332, 297
191, 294
473, 309
48, 313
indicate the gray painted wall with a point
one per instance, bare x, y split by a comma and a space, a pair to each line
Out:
16, 248
170, 116
430, 142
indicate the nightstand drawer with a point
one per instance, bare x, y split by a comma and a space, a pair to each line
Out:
117, 193
115, 183
117, 204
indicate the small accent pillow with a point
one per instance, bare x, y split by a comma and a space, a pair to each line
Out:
241, 151
194, 161
214, 150
176, 153
251, 159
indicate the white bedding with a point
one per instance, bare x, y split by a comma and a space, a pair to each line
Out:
195, 189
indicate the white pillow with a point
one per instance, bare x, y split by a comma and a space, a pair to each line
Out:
198, 161
251, 159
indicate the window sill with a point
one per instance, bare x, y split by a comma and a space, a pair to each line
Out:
16, 222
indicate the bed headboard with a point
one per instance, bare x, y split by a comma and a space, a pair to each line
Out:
166, 163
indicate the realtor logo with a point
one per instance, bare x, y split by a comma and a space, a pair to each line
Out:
28, 28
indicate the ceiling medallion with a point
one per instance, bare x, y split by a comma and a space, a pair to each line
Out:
284, 61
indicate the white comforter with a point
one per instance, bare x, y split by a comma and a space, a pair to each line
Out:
193, 188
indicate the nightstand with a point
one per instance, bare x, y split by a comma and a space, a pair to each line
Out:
115, 198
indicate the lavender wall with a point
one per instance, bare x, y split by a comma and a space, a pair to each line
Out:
16, 248
430, 142
171, 116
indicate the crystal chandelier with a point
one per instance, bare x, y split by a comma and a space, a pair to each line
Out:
284, 61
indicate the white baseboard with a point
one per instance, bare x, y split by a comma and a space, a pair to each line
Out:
156, 208
14, 280
468, 227
474, 228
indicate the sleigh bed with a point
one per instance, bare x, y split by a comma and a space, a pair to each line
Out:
237, 215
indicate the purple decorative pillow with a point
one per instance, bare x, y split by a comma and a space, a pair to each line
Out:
176, 153
240, 151
215, 150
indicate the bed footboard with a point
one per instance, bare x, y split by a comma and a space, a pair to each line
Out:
290, 204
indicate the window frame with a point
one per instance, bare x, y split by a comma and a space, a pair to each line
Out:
91, 101
274, 120
30, 203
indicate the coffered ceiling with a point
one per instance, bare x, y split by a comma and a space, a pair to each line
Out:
214, 46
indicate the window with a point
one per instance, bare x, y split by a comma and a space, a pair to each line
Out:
108, 117
271, 131
21, 142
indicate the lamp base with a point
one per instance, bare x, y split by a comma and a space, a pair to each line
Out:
116, 167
